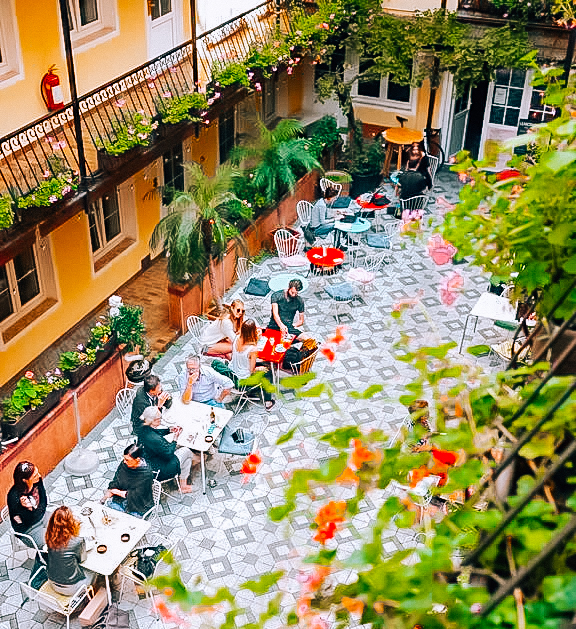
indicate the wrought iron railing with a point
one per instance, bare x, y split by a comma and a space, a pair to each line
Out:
36, 152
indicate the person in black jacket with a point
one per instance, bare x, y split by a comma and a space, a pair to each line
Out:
27, 503
149, 394
164, 457
131, 487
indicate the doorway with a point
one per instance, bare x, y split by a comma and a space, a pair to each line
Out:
473, 136
459, 122
163, 26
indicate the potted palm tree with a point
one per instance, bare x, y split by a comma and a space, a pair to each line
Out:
277, 158
196, 231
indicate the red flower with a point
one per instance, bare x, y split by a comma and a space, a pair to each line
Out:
29, 375
251, 463
338, 337
331, 512
328, 352
325, 532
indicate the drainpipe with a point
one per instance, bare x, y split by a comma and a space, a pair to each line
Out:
193, 39
73, 93
569, 54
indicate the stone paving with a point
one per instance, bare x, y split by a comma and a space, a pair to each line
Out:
224, 537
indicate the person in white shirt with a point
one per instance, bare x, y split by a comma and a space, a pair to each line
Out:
219, 334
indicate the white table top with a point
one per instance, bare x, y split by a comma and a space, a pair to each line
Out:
109, 534
281, 280
194, 418
361, 225
495, 307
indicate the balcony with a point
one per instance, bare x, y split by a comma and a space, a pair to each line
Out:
538, 11
42, 160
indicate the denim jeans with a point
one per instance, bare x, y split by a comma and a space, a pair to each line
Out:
214, 403
121, 506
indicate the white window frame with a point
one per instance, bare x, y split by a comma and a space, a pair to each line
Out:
105, 247
393, 105
105, 27
46, 282
11, 64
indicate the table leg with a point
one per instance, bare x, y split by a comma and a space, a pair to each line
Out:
203, 471
387, 159
108, 592
399, 162
463, 334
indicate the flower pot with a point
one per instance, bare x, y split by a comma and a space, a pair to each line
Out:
168, 130
111, 163
364, 183
339, 176
31, 417
568, 367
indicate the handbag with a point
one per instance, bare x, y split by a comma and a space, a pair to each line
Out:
147, 558
113, 618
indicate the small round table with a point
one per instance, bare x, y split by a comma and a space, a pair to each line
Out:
359, 226
280, 281
398, 138
325, 260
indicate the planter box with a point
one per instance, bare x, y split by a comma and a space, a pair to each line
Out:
568, 367
81, 373
31, 417
111, 163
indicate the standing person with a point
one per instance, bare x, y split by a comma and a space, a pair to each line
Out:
243, 363
285, 305
149, 394
27, 502
131, 487
203, 384
66, 551
218, 336
162, 456
322, 217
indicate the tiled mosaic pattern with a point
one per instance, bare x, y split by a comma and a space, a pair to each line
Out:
224, 537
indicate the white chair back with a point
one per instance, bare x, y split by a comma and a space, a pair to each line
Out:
287, 245
419, 202
373, 262
243, 269
434, 161
304, 211
392, 230
327, 183
196, 326
124, 399
153, 514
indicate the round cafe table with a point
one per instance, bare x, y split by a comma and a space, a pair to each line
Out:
281, 280
396, 139
359, 226
325, 260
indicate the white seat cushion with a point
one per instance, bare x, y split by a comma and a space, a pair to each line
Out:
294, 261
360, 275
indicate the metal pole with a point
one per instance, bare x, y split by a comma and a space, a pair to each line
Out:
193, 40
73, 93
569, 54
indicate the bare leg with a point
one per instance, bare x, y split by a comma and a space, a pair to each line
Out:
222, 348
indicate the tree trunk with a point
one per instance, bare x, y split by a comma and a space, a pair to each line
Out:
212, 279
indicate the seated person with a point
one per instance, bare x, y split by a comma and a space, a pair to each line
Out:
203, 384
243, 363
131, 487
285, 305
164, 457
418, 161
27, 503
66, 551
219, 334
322, 216
149, 394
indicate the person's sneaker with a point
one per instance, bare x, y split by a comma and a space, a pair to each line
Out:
269, 405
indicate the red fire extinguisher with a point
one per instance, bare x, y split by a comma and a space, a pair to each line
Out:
51, 90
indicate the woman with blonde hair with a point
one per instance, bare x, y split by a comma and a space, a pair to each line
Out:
66, 551
218, 336
243, 362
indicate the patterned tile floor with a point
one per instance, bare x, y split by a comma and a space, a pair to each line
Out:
224, 537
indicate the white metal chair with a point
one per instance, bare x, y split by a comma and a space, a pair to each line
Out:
196, 326
364, 271
325, 183
304, 365
124, 399
242, 437
290, 250
255, 289
49, 599
153, 514
129, 572
434, 161
304, 211
19, 541
342, 294
174, 479
419, 202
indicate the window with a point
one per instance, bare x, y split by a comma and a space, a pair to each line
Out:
10, 62
27, 289
172, 162
269, 98
90, 20
226, 134
383, 88
105, 223
538, 111
159, 8
507, 97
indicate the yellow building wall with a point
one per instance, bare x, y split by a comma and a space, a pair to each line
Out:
295, 91
41, 44
79, 288
204, 148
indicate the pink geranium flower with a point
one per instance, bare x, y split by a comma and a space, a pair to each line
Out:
450, 287
440, 250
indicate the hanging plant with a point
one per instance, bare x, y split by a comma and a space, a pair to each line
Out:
6, 212
175, 109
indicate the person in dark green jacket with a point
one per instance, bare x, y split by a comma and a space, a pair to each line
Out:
161, 455
131, 487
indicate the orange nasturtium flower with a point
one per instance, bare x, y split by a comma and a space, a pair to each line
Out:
361, 455
251, 463
353, 605
325, 532
347, 477
332, 512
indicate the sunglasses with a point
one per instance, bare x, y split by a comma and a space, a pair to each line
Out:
26, 468
240, 311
